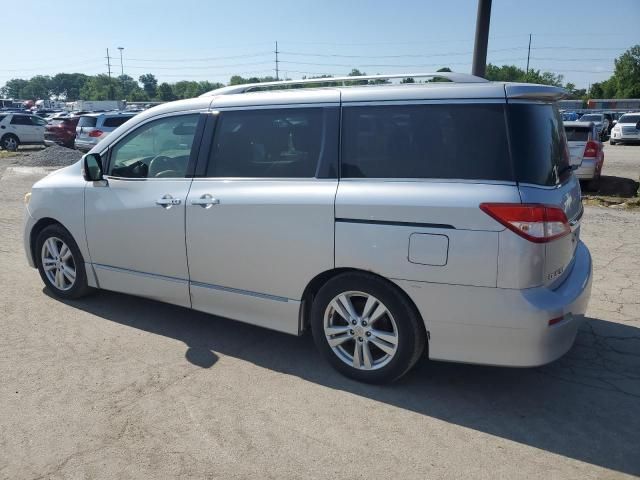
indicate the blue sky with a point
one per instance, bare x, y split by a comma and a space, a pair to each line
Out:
211, 40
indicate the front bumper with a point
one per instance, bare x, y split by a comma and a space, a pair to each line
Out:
27, 226
500, 326
619, 136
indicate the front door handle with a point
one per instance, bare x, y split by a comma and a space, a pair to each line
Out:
205, 201
167, 201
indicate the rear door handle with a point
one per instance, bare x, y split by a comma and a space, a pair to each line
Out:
205, 201
167, 201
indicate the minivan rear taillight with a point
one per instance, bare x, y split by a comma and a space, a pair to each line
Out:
591, 150
533, 221
96, 133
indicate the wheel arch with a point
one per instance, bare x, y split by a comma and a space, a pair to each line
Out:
37, 228
314, 286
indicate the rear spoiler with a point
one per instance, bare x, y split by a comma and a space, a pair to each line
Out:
529, 91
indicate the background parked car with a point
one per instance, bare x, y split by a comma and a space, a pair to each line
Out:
61, 131
93, 127
586, 151
601, 122
19, 129
627, 129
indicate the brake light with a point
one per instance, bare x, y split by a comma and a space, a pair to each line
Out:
95, 133
533, 221
591, 150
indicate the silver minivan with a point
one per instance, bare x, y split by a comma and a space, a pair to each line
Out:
93, 127
394, 221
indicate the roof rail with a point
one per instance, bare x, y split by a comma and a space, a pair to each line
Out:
247, 87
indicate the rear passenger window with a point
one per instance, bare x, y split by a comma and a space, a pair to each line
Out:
21, 120
466, 141
576, 134
115, 121
275, 143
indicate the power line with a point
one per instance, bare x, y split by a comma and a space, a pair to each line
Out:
201, 59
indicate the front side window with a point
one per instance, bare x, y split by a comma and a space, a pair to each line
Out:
440, 141
158, 149
279, 143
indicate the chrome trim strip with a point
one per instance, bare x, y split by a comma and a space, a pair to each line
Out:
141, 274
266, 296
434, 101
398, 224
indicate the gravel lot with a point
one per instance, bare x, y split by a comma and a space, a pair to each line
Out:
119, 387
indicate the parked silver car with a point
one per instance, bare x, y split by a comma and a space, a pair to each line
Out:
93, 127
355, 211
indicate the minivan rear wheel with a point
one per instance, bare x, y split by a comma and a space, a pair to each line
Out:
366, 329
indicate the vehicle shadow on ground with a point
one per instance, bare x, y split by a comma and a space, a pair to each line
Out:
613, 186
586, 406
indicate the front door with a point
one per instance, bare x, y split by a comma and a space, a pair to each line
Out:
135, 219
260, 223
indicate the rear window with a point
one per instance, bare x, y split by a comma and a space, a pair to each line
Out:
576, 134
89, 122
538, 144
629, 119
591, 118
115, 121
459, 141
55, 122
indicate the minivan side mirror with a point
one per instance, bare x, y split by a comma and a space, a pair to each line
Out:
92, 167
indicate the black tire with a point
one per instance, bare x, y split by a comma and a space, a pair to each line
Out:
7, 143
79, 287
611, 141
410, 332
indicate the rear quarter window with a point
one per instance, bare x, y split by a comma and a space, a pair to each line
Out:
538, 144
114, 121
87, 122
443, 141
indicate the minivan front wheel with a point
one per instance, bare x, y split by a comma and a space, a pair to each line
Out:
60, 263
366, 329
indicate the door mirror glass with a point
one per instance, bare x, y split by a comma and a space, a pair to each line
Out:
92, 170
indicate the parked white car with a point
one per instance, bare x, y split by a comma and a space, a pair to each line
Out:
352, 211
627, 129
21, 129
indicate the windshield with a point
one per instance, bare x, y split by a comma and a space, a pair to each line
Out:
591, 118
629, 119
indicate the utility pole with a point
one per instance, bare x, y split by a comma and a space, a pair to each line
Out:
479, 66
121, 69
277, 69
528, 56
109, 70
108, 63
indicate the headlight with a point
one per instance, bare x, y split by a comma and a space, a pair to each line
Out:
617, 128
27, 198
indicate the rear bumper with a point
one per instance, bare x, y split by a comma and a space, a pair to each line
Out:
505, 327
587, 170
84, 145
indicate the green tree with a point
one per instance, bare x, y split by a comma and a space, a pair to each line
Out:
66, 86
38, 88
149, 84
13, 88
101, 87
165, 92
627, 74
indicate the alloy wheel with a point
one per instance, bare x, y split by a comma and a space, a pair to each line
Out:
58, 263
361, 330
